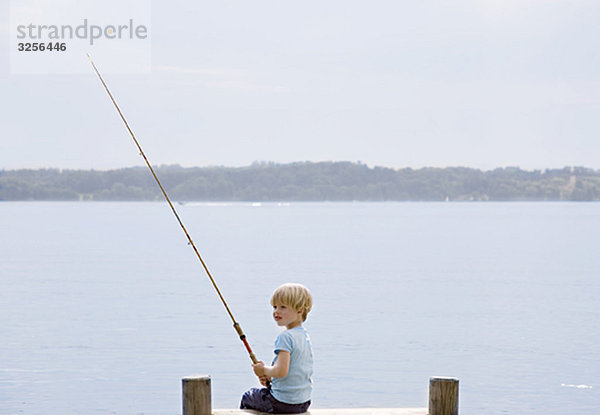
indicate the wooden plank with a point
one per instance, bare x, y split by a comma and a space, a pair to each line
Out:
344, 411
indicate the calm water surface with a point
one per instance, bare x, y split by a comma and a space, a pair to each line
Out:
105, 308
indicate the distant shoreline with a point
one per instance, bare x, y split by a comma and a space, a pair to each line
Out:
302, 182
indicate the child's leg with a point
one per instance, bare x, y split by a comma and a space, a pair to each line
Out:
287, 408
257, 399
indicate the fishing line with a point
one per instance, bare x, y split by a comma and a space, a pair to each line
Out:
236, 325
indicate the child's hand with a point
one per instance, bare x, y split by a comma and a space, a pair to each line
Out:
264, 380
259, 369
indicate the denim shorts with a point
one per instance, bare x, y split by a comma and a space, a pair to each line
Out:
262, 400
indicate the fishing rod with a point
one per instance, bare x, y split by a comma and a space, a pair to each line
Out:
236, 325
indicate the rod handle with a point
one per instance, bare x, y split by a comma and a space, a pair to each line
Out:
240, 332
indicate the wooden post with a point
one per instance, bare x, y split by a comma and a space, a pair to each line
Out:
443, 396
196, 395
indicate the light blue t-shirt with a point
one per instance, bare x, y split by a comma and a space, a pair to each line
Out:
296, 387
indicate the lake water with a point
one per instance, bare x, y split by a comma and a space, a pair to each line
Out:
105, 307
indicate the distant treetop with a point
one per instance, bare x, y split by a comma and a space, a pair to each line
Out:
303, 181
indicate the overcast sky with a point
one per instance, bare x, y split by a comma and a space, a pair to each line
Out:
479, 83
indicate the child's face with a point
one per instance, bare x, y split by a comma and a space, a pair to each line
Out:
286, 316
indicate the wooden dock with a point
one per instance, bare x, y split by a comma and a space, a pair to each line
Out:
443, 400
344, 411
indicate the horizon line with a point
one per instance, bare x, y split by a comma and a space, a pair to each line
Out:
275, 163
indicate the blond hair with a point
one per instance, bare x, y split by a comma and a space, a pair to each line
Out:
296, 296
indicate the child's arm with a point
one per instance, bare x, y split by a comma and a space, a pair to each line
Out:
279, 370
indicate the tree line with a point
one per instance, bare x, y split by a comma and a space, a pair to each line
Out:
303, 181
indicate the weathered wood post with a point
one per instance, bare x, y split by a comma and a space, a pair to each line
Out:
196, 395
443, 396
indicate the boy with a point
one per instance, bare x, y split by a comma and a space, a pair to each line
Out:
291, 371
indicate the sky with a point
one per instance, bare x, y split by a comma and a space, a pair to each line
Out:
396, 83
